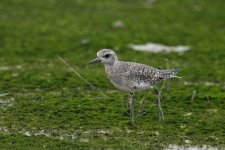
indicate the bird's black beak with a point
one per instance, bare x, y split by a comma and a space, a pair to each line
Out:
96, 60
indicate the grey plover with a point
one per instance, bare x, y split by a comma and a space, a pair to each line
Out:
131, 76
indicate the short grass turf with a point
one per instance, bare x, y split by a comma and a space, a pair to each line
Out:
45, 106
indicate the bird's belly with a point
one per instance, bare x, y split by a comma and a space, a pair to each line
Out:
122, 86
142, 86
130, 86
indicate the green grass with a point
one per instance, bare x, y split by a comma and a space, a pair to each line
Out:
53, 109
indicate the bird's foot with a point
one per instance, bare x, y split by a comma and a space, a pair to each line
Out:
132, 123
161, 116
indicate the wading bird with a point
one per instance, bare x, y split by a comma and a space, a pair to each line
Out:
132, 77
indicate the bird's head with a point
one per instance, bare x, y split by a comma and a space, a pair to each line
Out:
105, 56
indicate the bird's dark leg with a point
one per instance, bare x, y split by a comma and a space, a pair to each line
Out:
161, 116
131, 102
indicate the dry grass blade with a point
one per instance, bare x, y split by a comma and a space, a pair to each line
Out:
154, 101
82, 78
193, 95
141, 105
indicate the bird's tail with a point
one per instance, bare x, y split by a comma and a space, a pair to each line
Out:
173, 72
166, 74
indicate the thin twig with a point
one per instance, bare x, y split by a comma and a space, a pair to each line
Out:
143, 104
149, 108
193, 95
74, 71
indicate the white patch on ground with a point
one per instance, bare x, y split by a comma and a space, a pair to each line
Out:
87, 132
27, 133
150, 2
187, 114
4, 130
84, 41
156, 48
55, 134
82, 140
206, 83
129, 131
41, 133
3, 94
179, 147
156, 133
187, 141
4, 68
15, 74
5, 103
79, 135
118, 24
61, 137
212, 110
183, 126
103, 132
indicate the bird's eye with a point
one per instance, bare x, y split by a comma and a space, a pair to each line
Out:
107, 55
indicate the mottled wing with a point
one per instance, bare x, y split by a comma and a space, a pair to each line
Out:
143, 74
140, 73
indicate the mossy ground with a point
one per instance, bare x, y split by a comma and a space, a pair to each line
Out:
47, 106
